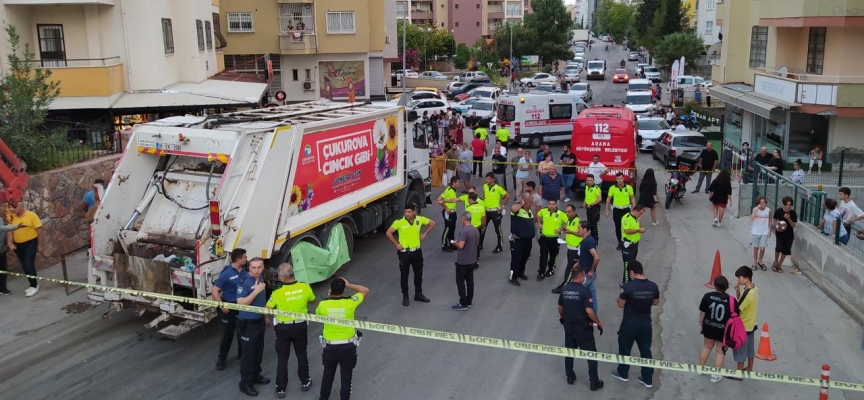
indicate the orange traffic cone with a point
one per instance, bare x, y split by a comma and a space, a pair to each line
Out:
764, 352
715, 272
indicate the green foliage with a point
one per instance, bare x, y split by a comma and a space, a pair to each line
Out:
601, 16
463, 55
552, 25
644, 33
523, 41
428, 41
27, 93
678, 44
619, 20
673, 19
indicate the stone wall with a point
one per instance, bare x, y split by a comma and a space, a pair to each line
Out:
55, 196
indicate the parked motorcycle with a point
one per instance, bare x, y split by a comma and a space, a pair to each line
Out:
676, 187
691, 122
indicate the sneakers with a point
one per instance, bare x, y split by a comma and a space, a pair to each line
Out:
459, 307
540, 277
523, 277
497, 250
281, 393
549, 274
514, 282
595, 386
655, 223
557, 290
567, 199
5, 293
305, 386
695, 191
647, 385
716, 378
618, 376
30, 292
220, 364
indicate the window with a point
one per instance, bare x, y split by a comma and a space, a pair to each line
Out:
457, 5
816, 50
710, 5
295, 76
52, 45
513, 10
478, 6
560, 111
478, 23
457, 24
758, 46
199, 26
340, 22
308, 74
255, 64
296, 18
709, 27
208, 34
217, 31
167, 36
401, 10
240, 22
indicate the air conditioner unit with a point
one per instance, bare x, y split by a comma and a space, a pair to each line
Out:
386, 39
307, 86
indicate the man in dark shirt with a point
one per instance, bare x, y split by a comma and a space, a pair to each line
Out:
568, 173
785, 220
763, 157
552, 186
466, 260
521, 234
578, 318
637, 297
707, 164
250, 292
499, 166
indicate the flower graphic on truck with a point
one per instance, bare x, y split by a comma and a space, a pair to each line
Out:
300, 200
387, 143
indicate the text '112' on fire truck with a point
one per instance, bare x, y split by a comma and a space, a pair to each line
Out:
293, 183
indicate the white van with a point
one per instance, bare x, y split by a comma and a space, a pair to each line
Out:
596, 69
639, 101
689, 82
639, 84
534, 119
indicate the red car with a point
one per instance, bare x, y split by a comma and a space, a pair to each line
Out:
620, 75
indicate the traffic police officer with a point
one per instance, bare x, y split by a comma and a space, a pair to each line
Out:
478, 219
408, 250
521, 235
295, 297
572, 240
250, 291
593, 197
631, 232
225, 290
447, 200
503, 134
492, 194
480, 131
637, 297
551, 221
340, 342
578, 318
621, 198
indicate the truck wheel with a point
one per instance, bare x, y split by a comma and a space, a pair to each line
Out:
414, 199
284, 255
535, 141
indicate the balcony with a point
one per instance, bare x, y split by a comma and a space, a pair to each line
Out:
810, 89
806, 12
421, 15
97, 77
58, 2
298, 43
496, 15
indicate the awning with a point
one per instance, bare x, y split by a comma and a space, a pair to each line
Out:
773, 109
714, 49
81, 103
210, 93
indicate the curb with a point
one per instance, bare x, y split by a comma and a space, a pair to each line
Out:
834, 293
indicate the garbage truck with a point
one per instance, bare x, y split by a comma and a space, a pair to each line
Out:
292, 183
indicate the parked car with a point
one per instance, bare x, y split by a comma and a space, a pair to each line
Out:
454, 85
583, 90
411, 74
571, 74
467, 87
482, 112
489, 92
472, 76
430, 105
639, 101
672, 144
545, 87
633, 56
537, 78
463, 106
650, 128
620, 75
433, 75
424, 93
688, 82
652, 74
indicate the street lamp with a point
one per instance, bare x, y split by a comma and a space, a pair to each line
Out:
425, 56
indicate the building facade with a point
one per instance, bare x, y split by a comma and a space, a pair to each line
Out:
318, 49
704, 19
466, 20
789, 72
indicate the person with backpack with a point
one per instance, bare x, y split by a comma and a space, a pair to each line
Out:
748, 304
714, 312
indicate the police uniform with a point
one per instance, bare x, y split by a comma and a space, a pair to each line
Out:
521, 235
503, 134
578, 328
482, 132
251, 327
340, 344
620, 205
550, 221
572, 241
493, 195
449, 215
592, 193
638, 296
410, 255
631, 242
293, 297
227, 283
477, 211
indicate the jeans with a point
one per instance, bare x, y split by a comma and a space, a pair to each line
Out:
578, 336
635, 329
589, 283
703, 175
465, 277
345, 357
568, 181
286, 336
478, 166
229, 328
413, 260
502, 178
26, 253
252, 343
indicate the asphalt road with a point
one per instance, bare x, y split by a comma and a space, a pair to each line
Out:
82, 356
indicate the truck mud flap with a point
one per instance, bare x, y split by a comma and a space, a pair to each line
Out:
143, 274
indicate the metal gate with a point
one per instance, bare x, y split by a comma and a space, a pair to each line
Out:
376, 77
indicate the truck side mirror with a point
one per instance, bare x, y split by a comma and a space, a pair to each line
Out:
412, 115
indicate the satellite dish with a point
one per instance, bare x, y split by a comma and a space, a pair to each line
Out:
782, 71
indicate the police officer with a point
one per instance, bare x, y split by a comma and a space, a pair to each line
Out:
250, 291
503, 134
474, 206
448, 200
494, 199
551, 222
340, 342
637, 297
225, 290
593, 197
572, 240
578, 318
631, 232
521, 235
408, 250
621, 198
295, 297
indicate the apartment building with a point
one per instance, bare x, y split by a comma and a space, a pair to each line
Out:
124, 61
704, 20
466, 20
317, 49
790, 73
579, 12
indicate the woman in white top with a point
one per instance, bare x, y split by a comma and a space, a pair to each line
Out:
815, 159
761, 217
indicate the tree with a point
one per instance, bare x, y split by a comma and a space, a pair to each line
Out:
552, 25
673, 19
678, 44
644, 23
523, 40
27, 93
463, 56
427, 41
619, 20
601, 16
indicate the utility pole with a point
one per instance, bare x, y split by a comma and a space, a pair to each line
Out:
403, 101
510, 62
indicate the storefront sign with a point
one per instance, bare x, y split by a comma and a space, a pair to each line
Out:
342, 80
774, 87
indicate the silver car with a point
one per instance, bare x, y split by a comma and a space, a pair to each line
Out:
672, 144
583, 90
650, 128
571, 74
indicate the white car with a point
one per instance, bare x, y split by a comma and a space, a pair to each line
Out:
471, 76
410, 74
430, 105
650, 128
454, 85
571, 74
484, 110
639, 101
488, 92
583, 90
433, 75
652, 74
538, 78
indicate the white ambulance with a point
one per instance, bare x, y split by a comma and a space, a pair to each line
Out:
534, 119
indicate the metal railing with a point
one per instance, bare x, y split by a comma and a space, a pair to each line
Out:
78, 62
799, 75
841, 167
84, 145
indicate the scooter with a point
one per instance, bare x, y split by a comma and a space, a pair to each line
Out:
676, 187
691, 122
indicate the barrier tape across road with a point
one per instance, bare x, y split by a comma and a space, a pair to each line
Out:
505, 344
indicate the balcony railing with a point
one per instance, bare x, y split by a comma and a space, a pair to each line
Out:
86, 77
800, 87
801, 76
298, 44
78, 62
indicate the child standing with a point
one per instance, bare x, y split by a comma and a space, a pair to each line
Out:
748, 305
797, 174
829, 225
